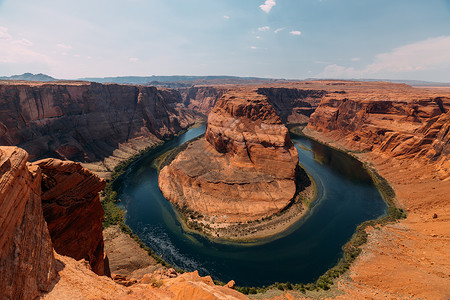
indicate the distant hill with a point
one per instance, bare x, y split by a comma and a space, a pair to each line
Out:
29, 77
182, 80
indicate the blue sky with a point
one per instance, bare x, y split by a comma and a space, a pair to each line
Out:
294, 39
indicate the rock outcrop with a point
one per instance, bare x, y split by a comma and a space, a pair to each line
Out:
72, 209
201, 98
244, 169
88, 122
293, 105
27, 263
390, 119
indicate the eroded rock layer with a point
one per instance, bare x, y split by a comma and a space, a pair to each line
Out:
27, 263
72, 209
390, 119
88, 122
243, 170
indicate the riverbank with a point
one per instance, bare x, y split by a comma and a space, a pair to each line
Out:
266, 229
245, 232
407, 258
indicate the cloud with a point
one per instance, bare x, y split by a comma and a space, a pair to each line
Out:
258, 37
253, 47
279, 29
63, 46
133, 59
267, 6
4, 35
295, 32
264, 28
429, 54
18, 51
226, 17
356, 59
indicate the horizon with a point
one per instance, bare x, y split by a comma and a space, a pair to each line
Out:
319, 39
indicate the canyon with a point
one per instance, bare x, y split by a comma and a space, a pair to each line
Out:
244, 169
402, 132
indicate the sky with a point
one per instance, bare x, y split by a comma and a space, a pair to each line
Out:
290, 39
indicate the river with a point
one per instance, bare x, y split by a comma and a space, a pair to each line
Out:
346, 197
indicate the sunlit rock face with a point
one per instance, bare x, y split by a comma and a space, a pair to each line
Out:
27, 263
245, 167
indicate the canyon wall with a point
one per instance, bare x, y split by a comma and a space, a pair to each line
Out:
398, 121
73, 212
293, 105
244, 169
27, 263
88, 122
201, 98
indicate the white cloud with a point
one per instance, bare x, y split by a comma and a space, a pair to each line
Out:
63, 46
295, 32
264, 28
258, 37
18, 51
356, 59
267, 6
4, 35
226, 17
278, 29
430, 54
133, 59
253, 47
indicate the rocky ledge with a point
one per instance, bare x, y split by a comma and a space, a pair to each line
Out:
243, 170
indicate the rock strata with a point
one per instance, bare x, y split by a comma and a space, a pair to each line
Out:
72, 209
393, 120
243, 170
88, 122
27, 263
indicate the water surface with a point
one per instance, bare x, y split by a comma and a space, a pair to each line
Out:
346, 197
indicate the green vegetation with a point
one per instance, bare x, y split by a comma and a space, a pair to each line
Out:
115, 216
166, 158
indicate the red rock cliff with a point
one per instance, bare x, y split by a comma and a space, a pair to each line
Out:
72, 209
243, 170
85, 121
27, 264
390, 119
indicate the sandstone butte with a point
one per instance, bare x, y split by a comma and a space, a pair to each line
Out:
401, 131
243, 170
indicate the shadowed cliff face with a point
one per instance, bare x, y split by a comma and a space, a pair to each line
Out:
293, 105
27, 264
72, 210
86, 121
243, 170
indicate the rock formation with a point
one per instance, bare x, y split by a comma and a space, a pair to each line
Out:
391, 119
27, 264
88, 122
243, 170
201, 98
72, 210
293, 105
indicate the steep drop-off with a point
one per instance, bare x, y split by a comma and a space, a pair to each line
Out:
27, 263
72, 210
243, 170
88, 122
392, 120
